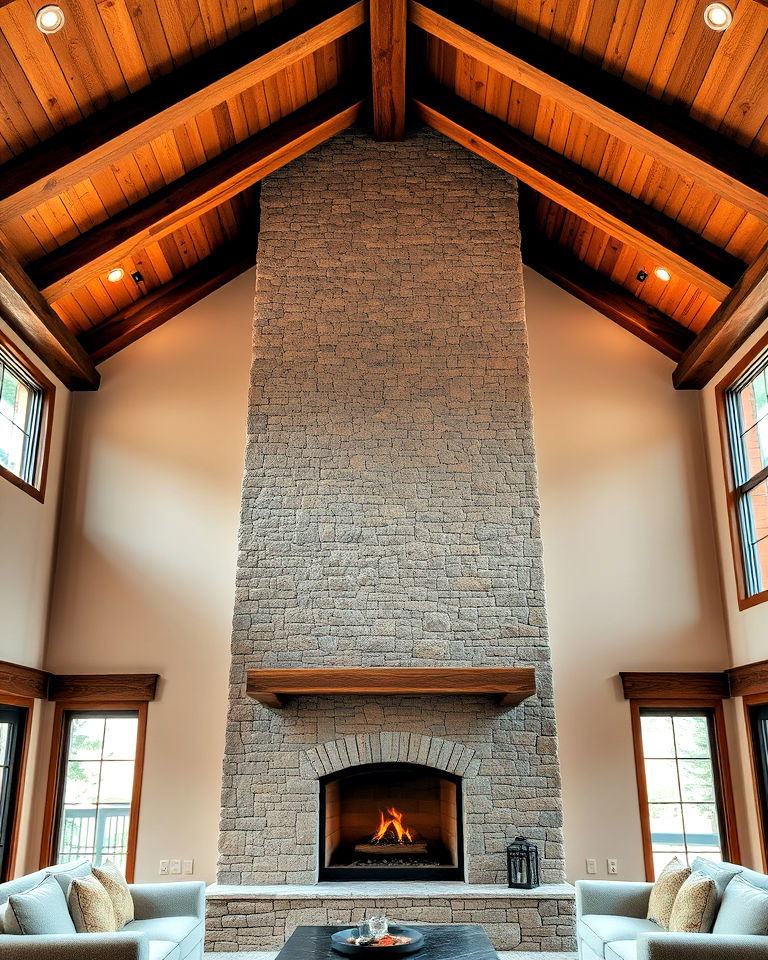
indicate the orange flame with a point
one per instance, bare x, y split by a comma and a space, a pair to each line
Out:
393, 821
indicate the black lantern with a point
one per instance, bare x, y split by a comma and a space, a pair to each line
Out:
523, 864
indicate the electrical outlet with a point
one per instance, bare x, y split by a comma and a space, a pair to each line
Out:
613, 866
175, 866
591, 865
189, 867
164, 868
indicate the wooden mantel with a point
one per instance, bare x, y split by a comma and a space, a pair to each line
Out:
508, 685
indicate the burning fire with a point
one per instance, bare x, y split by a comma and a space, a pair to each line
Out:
391, 825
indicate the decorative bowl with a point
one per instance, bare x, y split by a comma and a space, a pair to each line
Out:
340, 943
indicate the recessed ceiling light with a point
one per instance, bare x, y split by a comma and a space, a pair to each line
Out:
114, 275
718, 16
662, 274
49, 19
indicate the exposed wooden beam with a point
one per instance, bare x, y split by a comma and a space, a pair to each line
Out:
663, 240
608, 298
675, 686
26, 312
735, 320
388, 28
104, 688
80, 151
166, 302
666, 133
95, 252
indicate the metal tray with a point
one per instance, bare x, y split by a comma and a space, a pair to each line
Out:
340, 944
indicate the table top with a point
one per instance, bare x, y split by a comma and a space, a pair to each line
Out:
449, 941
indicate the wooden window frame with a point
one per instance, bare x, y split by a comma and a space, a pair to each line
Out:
745, 599
28, 704
749, 701
58, 747
730, 841
35, 490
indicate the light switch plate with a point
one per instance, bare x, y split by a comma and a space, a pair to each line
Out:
591, 865
189, 867
175, 866
164, 869
613, 866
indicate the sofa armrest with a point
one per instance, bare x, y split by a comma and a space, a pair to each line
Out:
77, 946
700, 946
612, 898
154, 900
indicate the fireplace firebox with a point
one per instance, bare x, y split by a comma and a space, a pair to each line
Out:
391, 821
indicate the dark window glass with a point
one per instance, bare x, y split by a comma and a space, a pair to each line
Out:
12, 724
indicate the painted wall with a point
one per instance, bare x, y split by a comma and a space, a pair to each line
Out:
747, 629
145, 576
28, 538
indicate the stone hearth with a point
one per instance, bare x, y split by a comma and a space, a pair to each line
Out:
389, 518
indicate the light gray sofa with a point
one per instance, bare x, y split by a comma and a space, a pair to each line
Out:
169, 924
611, 923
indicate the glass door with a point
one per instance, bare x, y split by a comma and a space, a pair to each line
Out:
12, 723
759, 719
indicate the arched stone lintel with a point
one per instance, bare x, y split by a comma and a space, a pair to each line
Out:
385, 747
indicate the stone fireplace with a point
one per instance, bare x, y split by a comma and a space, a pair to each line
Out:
389, 518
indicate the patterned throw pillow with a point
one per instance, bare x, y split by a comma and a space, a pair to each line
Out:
695, 905
114, 883
90, 906
664, 891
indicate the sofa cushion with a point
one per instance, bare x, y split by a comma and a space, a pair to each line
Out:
597, 930
114, 883
664, 891
22, 884
186, 931
90, 906
41, 910
721, 873
756, 879
65, 873
164, 950
621, 950
695, 905
744, 909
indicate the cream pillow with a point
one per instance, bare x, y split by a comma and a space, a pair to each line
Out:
90, 906
664, 891
695, 905
114, 883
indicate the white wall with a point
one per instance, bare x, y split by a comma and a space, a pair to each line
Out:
28, 537
146, 569
145, 576
747, 629
629, 555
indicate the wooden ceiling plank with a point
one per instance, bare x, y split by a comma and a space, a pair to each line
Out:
167, 301
94, 253
79, 151
664, 132
388, 19
585, 194
736, 319
26, 312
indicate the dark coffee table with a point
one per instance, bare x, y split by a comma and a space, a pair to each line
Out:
449, 941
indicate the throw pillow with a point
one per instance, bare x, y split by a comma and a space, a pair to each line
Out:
91, 906
721, 873
114, 883
744, 909
695, 905
41, 910
664, 891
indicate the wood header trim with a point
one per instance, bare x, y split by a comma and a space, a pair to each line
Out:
749, 680
675, 686
26, 312
580, 191
105, 688
23, 681
78, 152
666, 133
509, 685
734, 321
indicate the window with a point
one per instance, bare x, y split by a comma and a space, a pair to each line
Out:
757, 713
26, 408
680, 783
96, 786
13, 723
744, 417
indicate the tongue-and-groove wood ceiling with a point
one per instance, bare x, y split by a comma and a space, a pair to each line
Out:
137, 135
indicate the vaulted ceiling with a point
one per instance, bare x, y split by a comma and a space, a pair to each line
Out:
135, 138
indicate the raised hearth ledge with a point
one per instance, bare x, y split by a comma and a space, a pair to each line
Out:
375, 890
508, 685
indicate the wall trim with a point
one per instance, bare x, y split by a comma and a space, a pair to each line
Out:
678, 686
20, 681
23, 681
749, 679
